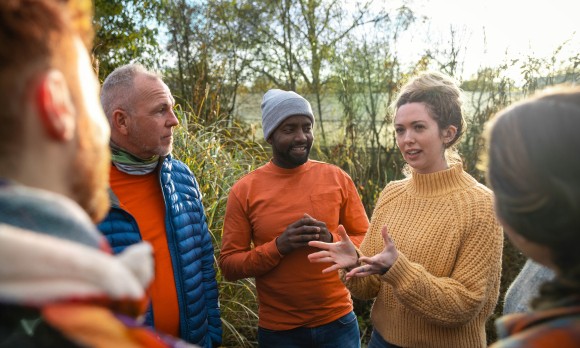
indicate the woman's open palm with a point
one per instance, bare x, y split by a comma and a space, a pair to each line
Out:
342, 253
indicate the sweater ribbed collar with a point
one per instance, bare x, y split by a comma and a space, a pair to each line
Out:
440, 183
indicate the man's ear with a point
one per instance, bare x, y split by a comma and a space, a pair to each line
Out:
55, 107
120, 120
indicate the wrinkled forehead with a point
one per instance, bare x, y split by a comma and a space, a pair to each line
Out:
151, 88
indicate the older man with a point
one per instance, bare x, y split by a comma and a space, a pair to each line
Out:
156, 198
59, 284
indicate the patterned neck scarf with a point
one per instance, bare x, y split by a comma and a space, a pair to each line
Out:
130, 164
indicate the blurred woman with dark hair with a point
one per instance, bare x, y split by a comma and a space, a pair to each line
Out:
534, 171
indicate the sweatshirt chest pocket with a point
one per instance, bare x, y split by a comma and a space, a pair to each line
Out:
326, 207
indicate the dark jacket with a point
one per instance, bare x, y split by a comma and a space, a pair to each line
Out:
191, 249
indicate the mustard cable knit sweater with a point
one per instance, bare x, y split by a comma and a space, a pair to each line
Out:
445, 283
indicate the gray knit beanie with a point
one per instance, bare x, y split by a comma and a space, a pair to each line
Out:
278, 105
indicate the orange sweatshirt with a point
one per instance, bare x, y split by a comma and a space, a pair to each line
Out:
141, 196
292, 292
445, 283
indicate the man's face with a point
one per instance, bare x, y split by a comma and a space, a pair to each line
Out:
291, 141
90, 168
151, 120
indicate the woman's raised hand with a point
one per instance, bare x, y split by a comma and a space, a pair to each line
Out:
341, 254
378, 264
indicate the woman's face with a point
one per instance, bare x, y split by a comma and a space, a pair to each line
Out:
419, 138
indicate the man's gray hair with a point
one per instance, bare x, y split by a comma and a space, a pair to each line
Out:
117, 89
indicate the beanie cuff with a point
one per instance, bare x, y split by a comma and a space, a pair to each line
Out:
278, 105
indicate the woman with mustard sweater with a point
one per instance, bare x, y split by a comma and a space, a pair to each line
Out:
431, 259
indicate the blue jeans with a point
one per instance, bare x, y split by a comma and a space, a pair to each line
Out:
342, 332
377, 341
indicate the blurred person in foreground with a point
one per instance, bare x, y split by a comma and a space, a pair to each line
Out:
59, 284
432, 256
534, 171
156, 198
271, 215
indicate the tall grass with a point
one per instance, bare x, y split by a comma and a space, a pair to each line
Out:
219, 154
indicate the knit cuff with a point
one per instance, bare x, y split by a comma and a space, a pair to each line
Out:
400, 272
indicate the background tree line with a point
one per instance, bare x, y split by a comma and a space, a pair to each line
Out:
213, 54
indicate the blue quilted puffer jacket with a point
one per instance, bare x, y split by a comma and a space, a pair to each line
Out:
191, 249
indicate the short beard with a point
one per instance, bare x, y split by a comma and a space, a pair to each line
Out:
136, 141
301, 160
90, 173
164, 153
291, 160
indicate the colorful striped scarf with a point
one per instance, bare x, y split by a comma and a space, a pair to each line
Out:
130, 164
